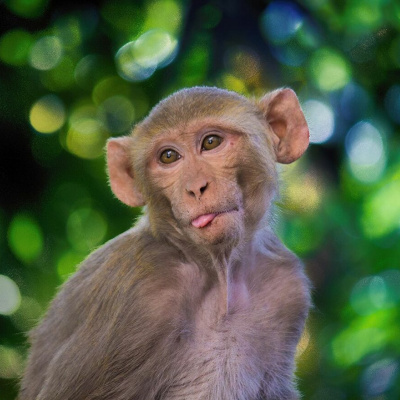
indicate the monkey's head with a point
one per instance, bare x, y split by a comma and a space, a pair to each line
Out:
203, 162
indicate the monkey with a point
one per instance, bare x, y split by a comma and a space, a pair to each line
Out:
199, 299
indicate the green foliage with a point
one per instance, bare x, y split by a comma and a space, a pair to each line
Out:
71, 77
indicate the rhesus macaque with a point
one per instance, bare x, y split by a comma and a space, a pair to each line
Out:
199, 300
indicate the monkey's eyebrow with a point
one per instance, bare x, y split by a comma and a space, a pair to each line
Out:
222, 128
169, 134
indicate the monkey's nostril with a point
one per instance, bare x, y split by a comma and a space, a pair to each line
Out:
202, 189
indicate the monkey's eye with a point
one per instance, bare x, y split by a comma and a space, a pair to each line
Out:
169, 156
211, 142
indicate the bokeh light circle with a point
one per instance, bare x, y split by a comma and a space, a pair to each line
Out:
138, 60
86, 135
25, 238
27, 9
364, 144
320, 119
47, 114
381, 210
365, 150
329, 69
11, 363
10, 297
379, 377
281, 20
46, 53
15, 46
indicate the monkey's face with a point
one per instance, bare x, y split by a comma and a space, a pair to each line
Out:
203, 161
195, 171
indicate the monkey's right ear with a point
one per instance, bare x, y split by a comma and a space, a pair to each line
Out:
120, 171
289, 128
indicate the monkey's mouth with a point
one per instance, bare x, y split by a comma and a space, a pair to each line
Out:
206, 219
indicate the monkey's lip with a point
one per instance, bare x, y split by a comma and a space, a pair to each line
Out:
204, 219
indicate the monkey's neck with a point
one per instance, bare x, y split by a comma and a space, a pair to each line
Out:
233, 278
227, 270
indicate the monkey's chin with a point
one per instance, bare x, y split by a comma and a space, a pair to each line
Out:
223, 229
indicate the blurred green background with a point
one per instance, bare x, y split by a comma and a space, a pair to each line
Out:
73, 74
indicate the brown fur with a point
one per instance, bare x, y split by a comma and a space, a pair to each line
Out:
169, 311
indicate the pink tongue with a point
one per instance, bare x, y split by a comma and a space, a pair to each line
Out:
203, 220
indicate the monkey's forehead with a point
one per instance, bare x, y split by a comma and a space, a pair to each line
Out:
196, 103
200, 94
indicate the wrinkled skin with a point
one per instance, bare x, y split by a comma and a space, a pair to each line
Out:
199, 300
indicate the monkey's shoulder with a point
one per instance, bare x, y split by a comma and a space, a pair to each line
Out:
132, 254
274, 258
119, 274
279, 278
282, 267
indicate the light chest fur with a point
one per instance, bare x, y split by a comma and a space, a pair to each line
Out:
232, 343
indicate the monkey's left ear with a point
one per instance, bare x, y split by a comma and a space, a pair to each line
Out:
120, 171
282, 111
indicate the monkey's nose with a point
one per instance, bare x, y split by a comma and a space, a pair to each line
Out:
196, 189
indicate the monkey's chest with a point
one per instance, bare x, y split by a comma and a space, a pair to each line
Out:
223, 360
